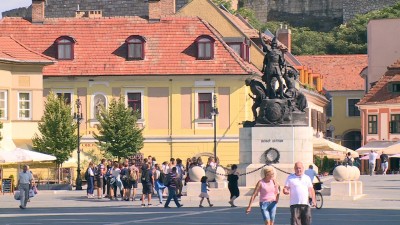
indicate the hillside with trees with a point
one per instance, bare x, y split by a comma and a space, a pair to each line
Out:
349, 38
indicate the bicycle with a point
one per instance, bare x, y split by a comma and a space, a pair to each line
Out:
319, 200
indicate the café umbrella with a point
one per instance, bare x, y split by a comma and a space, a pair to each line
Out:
19, 155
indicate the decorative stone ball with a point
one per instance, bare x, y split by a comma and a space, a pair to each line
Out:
220, 176
356, 173
341, 173
196, 173
210, 173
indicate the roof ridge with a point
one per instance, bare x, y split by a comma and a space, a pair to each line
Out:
28, 49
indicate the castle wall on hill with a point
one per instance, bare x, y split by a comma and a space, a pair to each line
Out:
317, 14
67, 8
351, 8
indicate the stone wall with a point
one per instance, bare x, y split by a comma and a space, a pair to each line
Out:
67, 8
351, 8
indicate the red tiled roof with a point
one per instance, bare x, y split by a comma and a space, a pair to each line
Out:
340, 72
100, 48
379, 93
13, 51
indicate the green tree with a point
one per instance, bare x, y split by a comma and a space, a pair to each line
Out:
250, 16
1, 126
118, 131
57, 130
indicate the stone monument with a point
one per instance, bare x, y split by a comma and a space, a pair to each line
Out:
347, 185
280, 133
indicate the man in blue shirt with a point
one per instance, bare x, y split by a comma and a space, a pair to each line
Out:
311, 173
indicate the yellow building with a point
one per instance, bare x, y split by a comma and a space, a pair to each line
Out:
169, 69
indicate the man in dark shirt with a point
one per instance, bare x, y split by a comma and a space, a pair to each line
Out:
384, 162
172, 184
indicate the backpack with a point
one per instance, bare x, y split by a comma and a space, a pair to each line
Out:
164, 179
87, 176
96, 171
145, 178
133, 175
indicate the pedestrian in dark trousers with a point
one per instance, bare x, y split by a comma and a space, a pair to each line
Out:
172, 184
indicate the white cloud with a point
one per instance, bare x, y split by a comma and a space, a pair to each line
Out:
6, 5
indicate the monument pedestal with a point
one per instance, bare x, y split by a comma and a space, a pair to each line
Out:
294, 143
341, 190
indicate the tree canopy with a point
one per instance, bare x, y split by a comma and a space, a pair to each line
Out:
119, 134
57, 130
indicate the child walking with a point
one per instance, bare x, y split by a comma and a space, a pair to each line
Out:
204, 189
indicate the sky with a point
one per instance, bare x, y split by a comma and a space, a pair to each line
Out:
6, 5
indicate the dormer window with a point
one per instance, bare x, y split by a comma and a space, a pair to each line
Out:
394, 87
135, 47
65, 48
241, 48
205, 47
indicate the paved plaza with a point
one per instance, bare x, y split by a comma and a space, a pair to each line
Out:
380, 205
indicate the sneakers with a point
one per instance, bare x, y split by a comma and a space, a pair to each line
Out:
180, 205
211, 205
22, 207
143, 205
167, 207
200, 206
149, 205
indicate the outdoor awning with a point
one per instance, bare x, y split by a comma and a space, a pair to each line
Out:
378, 146
330, 149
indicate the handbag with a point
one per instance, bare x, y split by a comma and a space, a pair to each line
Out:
31, 193
17, 195
112, 181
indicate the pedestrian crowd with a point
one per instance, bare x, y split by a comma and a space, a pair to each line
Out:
119, 180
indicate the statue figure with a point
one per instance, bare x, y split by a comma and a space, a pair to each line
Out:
273, 64
258, 89
297, 99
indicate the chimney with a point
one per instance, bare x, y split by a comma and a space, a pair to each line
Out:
160, 8
284, 35
38, 11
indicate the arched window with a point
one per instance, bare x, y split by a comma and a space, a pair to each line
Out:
205, 47
135, 47
99, 100
65, 48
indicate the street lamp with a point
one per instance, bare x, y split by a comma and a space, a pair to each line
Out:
214, 113
78, 117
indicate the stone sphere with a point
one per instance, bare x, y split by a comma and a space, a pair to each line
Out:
341, 173
210, 173
196, 173
220, 176
355, 173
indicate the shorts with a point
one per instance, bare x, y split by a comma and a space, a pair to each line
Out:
126, 184
204, 195
133, 183
384, 165
147, 189
99, 182
268, 210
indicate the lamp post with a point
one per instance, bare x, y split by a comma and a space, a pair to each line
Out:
214, 113
78, 117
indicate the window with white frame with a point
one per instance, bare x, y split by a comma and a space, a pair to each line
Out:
352, 109
99, 101
204, 102
24, 105
3, 104
134, 101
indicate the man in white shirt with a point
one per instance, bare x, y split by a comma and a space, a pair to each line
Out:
24, 182
300, 187
372, 159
